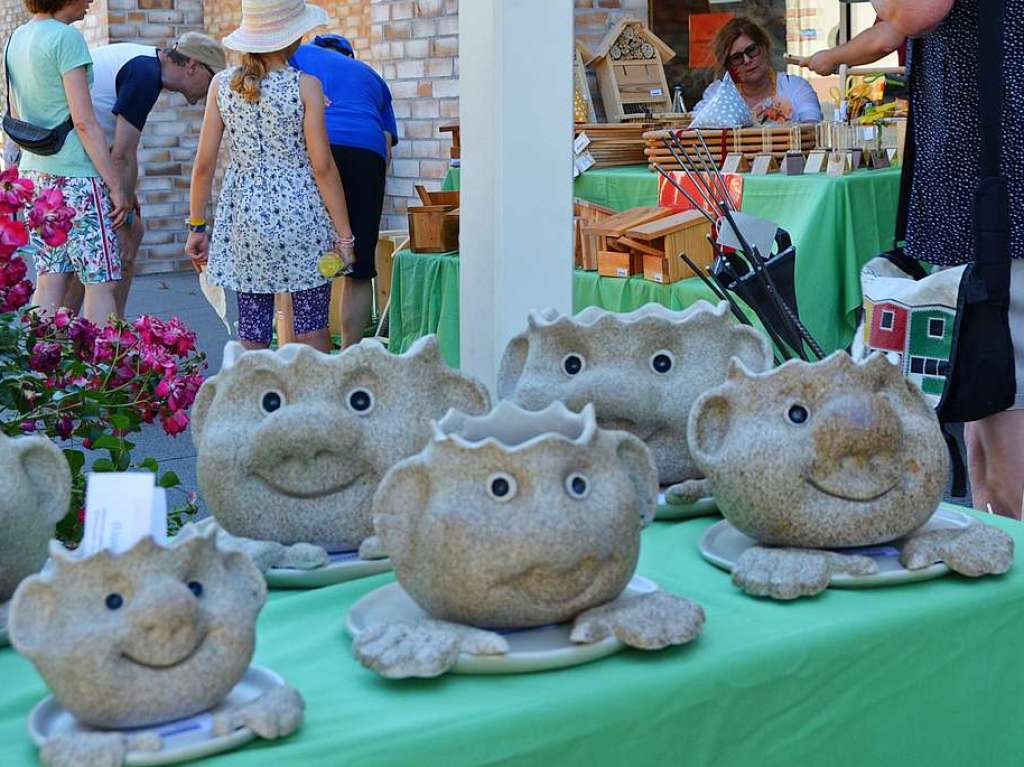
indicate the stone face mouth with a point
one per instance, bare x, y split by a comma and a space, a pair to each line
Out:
164, 666
308, 495
851, 498
550, 585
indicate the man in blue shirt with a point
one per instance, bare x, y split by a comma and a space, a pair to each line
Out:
361, 128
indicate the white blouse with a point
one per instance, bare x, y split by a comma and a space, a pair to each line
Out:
792, 88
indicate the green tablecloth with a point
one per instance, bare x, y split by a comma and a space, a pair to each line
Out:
425, 298
922, 675
837, 225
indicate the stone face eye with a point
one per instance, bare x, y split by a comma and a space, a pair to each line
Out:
271, 401
573, 364
662, 362
114, 601
361, 401
501, 487
798, 414
196, 588
577, 486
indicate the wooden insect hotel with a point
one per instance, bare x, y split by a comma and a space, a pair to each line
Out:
630, 66
582, 102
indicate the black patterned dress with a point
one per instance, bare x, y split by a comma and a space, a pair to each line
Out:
944, 92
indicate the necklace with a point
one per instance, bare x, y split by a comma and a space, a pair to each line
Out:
771, 93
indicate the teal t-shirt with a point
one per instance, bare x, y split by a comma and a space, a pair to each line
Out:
40, 54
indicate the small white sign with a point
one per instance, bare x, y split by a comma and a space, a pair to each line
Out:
121, 509
584, 162
582, 142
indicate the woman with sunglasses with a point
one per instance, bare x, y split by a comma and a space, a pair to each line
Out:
743, 50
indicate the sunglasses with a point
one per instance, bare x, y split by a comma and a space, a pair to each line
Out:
208, 68
752, 53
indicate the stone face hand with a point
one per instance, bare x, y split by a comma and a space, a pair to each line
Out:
972, 551
426, 648
690, 491
84, 750
268, 554
372, 548
791, 573
277, 714
645, 621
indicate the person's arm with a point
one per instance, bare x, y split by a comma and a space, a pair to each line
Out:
389, 141
125, 156
805, 103
387, 115
866, 48
913, 18
76, 87
325, 172
198, 245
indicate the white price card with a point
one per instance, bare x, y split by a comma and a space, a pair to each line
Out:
121, 509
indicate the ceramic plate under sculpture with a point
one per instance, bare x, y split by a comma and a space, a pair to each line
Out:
722, 544
343, 567
671, 512
538, 649
183, 740
4, 638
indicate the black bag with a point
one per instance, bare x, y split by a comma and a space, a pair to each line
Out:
32, 138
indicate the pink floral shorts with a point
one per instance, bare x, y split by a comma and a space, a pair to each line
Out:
91, 250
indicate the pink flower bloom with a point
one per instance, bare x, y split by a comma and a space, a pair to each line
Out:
178, 338
15, 192
45, 357
14, 298
65, 427
12, 273
13, 235
28, 426
175, 423
51, 217
62, 318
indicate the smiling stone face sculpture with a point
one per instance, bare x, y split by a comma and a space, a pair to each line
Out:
145, 637
642, 370
35, 489
292, 445
821, 456
513, 520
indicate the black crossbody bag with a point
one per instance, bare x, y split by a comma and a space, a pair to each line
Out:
32, 138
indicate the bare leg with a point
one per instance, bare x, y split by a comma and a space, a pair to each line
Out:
253, 345
130, 239
74, 295
995, 461
99, 302
356, 303
50, 290
318, 339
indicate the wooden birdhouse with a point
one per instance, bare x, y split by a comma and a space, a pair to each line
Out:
630, 65
582, 102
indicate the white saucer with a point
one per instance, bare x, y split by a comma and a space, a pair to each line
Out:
702, 507
342, 568
722, 544
537, 649
183, 740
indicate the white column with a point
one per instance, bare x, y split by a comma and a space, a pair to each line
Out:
515, 92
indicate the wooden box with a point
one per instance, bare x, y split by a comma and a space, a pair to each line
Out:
586, 245
433, 229
612, 263
436, 198
662, 240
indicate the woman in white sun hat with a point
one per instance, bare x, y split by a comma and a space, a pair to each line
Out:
282, 205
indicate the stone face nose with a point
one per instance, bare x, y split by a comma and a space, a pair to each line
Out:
304, 433
856, 426
165, 623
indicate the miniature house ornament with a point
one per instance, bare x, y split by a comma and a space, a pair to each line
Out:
642, 370
292, 444
630, 63
810, 458
152, 635
515, 520
35, 490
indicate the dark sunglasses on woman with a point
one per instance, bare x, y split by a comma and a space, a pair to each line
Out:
752, 53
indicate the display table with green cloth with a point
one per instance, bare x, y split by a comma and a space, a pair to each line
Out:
425, 298
837, 225
919, 675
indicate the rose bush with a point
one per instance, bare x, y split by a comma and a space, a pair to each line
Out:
66, 378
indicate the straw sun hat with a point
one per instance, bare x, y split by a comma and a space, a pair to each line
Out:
270, 25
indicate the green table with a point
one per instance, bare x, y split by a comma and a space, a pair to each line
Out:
923, 675
837, 225
425, 298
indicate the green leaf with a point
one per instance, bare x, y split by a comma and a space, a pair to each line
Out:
151, 464
120, 421
104, 464
106, 442
168, 479
124, 460
76, 460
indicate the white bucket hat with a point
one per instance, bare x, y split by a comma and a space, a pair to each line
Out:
270, 25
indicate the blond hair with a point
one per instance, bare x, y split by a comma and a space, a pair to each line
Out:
247, 80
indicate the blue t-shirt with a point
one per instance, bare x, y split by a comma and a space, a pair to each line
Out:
360, 102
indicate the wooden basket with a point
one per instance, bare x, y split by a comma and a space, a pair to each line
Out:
721, 143
434, 229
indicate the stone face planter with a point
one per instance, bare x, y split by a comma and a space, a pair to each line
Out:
517, 518
35, 490
144, 637
822, 455
642, 370
292, 444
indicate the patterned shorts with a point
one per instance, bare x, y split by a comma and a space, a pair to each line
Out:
91, 250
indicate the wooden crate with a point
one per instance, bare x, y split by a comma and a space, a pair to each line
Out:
436, 198
662, 240
433, 229
630, 65
586, 243
612, 263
